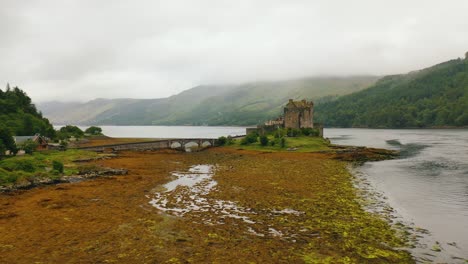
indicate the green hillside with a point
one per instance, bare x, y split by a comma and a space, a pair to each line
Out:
433, 97
246, 104
19, 116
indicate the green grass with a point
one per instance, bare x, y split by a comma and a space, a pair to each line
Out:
39, 165
303, 144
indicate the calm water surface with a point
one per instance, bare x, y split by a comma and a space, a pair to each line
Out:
170, 131
428, 185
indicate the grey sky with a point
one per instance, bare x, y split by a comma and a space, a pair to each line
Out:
83, 49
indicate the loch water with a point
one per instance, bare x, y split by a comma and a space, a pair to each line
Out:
427, 186
170, 131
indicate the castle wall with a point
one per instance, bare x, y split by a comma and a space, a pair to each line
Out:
306, 118
291, 118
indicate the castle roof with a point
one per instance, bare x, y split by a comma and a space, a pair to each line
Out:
299, 104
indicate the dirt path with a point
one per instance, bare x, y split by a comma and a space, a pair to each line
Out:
301, 207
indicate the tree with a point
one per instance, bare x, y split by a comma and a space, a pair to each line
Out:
7, 140
283, 142
28, 127
222, 141
70, 131
57, 166
263, 140
93, 130
2, 149
20, 116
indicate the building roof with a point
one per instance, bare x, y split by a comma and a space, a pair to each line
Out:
299, 104
22, 139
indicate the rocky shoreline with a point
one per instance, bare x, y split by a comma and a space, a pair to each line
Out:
361, 155
81, 176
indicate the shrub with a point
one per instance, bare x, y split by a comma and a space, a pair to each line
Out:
18, 165
222, 141
229, 140
249, 139
283, 142
7, 177
307, 131
63, 144
263, 140
293, 132
279, 133
28, 146
315, 132
57, 166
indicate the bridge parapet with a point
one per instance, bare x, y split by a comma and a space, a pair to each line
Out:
186, 144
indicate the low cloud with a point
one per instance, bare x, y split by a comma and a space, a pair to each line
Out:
84, 49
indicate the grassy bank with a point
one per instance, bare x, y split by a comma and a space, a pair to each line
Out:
297, 144
20, 169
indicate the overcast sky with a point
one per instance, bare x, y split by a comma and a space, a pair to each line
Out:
83, 49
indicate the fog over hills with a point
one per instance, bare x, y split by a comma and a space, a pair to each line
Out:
245, 104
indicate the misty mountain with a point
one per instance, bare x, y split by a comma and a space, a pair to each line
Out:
246, 104
433, 97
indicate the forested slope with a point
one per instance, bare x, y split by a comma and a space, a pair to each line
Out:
20, 116
433, 97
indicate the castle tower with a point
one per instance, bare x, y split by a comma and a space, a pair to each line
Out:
299, 114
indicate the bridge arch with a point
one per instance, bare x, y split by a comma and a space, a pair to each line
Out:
191, 146
175, 145
206, 144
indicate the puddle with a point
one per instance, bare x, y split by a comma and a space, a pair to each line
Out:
188, 195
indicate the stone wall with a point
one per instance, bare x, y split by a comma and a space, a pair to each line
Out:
291, 118
306, 118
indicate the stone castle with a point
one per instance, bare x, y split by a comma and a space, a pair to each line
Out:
297, 114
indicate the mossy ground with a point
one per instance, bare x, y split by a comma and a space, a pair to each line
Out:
109, 220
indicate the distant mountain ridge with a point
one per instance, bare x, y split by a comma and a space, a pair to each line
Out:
246, 104
433, 97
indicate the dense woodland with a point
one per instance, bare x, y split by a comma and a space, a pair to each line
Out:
19, 116
433, 97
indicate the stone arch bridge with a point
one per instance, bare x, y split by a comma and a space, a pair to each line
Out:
186, 144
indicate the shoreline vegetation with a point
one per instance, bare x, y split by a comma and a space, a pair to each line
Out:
110, 220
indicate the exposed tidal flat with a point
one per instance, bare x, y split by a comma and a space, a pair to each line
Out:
220, 205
